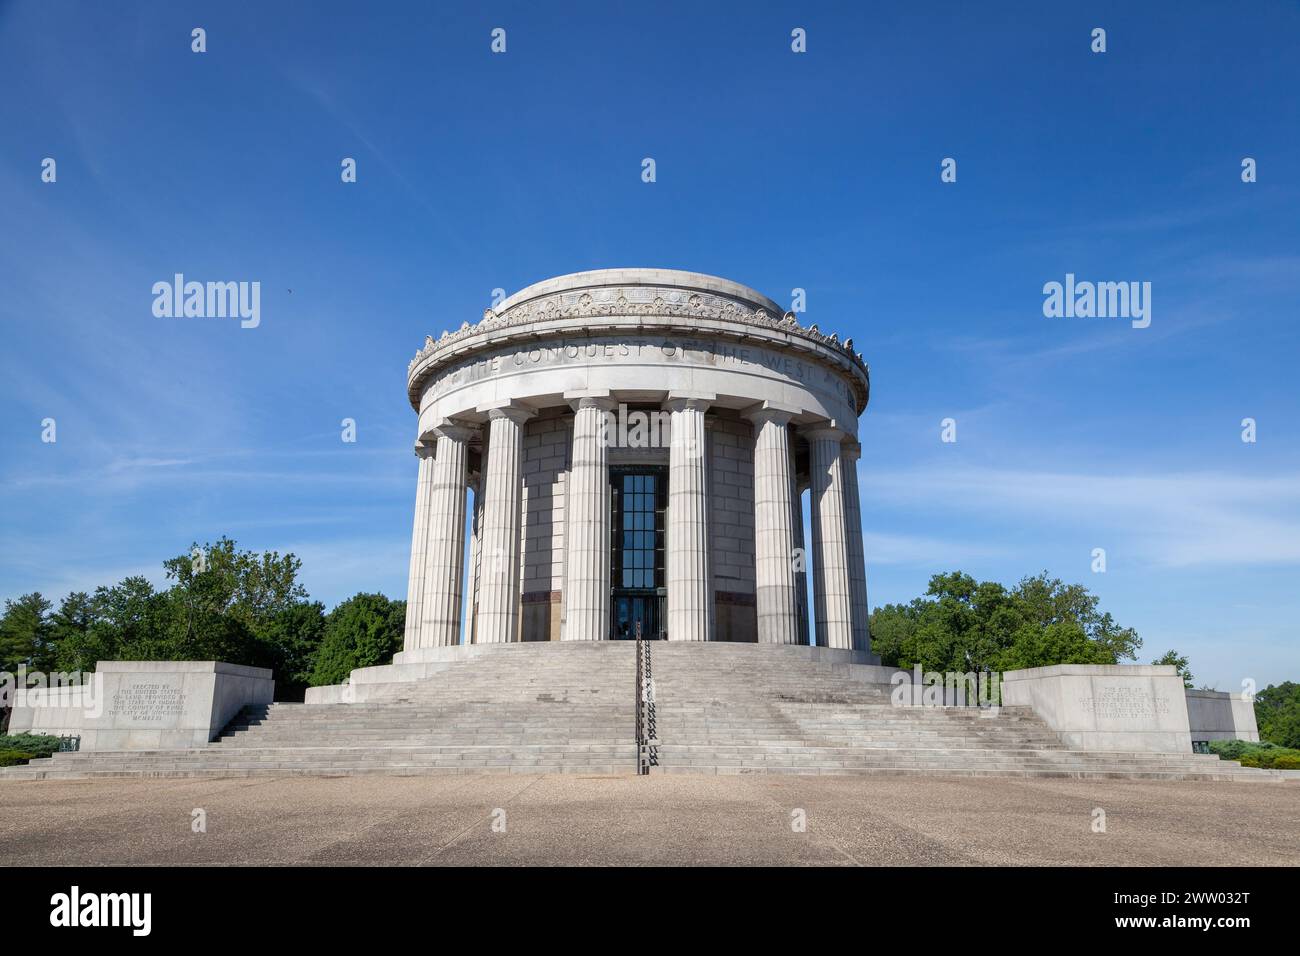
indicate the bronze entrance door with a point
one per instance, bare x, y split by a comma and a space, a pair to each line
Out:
638, 502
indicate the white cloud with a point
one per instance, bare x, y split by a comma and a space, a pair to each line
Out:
907, 549
1175, 520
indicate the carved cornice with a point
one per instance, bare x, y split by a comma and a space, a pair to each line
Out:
685, 305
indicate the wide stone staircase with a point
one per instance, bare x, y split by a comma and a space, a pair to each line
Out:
570, 708
532, 708
746, 709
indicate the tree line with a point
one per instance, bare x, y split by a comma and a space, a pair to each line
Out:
222, 604
242, 607
963, 625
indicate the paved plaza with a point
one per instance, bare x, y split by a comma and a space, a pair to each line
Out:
582, 820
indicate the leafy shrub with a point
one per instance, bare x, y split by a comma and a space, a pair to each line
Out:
1229, 749
1251, 754
12, 758
37, 745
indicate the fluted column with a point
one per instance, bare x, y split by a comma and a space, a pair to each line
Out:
832, 593
688, 543
419, 539
801, 574
775, 587
498, 594
445, 548
857, 559
587, 552
475, 556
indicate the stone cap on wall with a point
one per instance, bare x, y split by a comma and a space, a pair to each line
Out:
183, 667
1093, 670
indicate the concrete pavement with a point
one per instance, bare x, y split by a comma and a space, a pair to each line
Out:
579, 820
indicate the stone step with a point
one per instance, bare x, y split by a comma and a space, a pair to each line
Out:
569, 708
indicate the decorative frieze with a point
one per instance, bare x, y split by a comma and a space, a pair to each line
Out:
631, 301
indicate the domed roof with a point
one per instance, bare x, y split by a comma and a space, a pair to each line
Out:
676, 278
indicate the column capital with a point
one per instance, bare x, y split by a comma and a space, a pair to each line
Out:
824, 432
591, 398
694, 401
515, 411
851, 449
423, 448
770, 412
454, 430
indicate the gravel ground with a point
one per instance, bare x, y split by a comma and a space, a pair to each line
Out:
563, 819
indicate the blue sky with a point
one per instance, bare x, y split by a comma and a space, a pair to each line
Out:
819, 171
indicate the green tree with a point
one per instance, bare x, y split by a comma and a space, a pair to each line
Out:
363, 631
290, 641
1174, 659
1051, 601
26, 634
1277, 713
129, 621
224, 599
72, 626
961, 624
1058, 642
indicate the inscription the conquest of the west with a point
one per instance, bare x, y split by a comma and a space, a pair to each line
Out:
715, 353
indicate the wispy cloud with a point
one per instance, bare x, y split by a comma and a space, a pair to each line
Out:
1174, 520
925, 551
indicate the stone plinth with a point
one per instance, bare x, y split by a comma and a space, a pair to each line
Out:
1110, 707
1216, 715
144, 705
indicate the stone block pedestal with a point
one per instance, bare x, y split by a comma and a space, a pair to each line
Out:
1108, 707
144, 705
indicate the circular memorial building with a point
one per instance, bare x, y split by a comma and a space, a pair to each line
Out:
633, 446
631, 449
